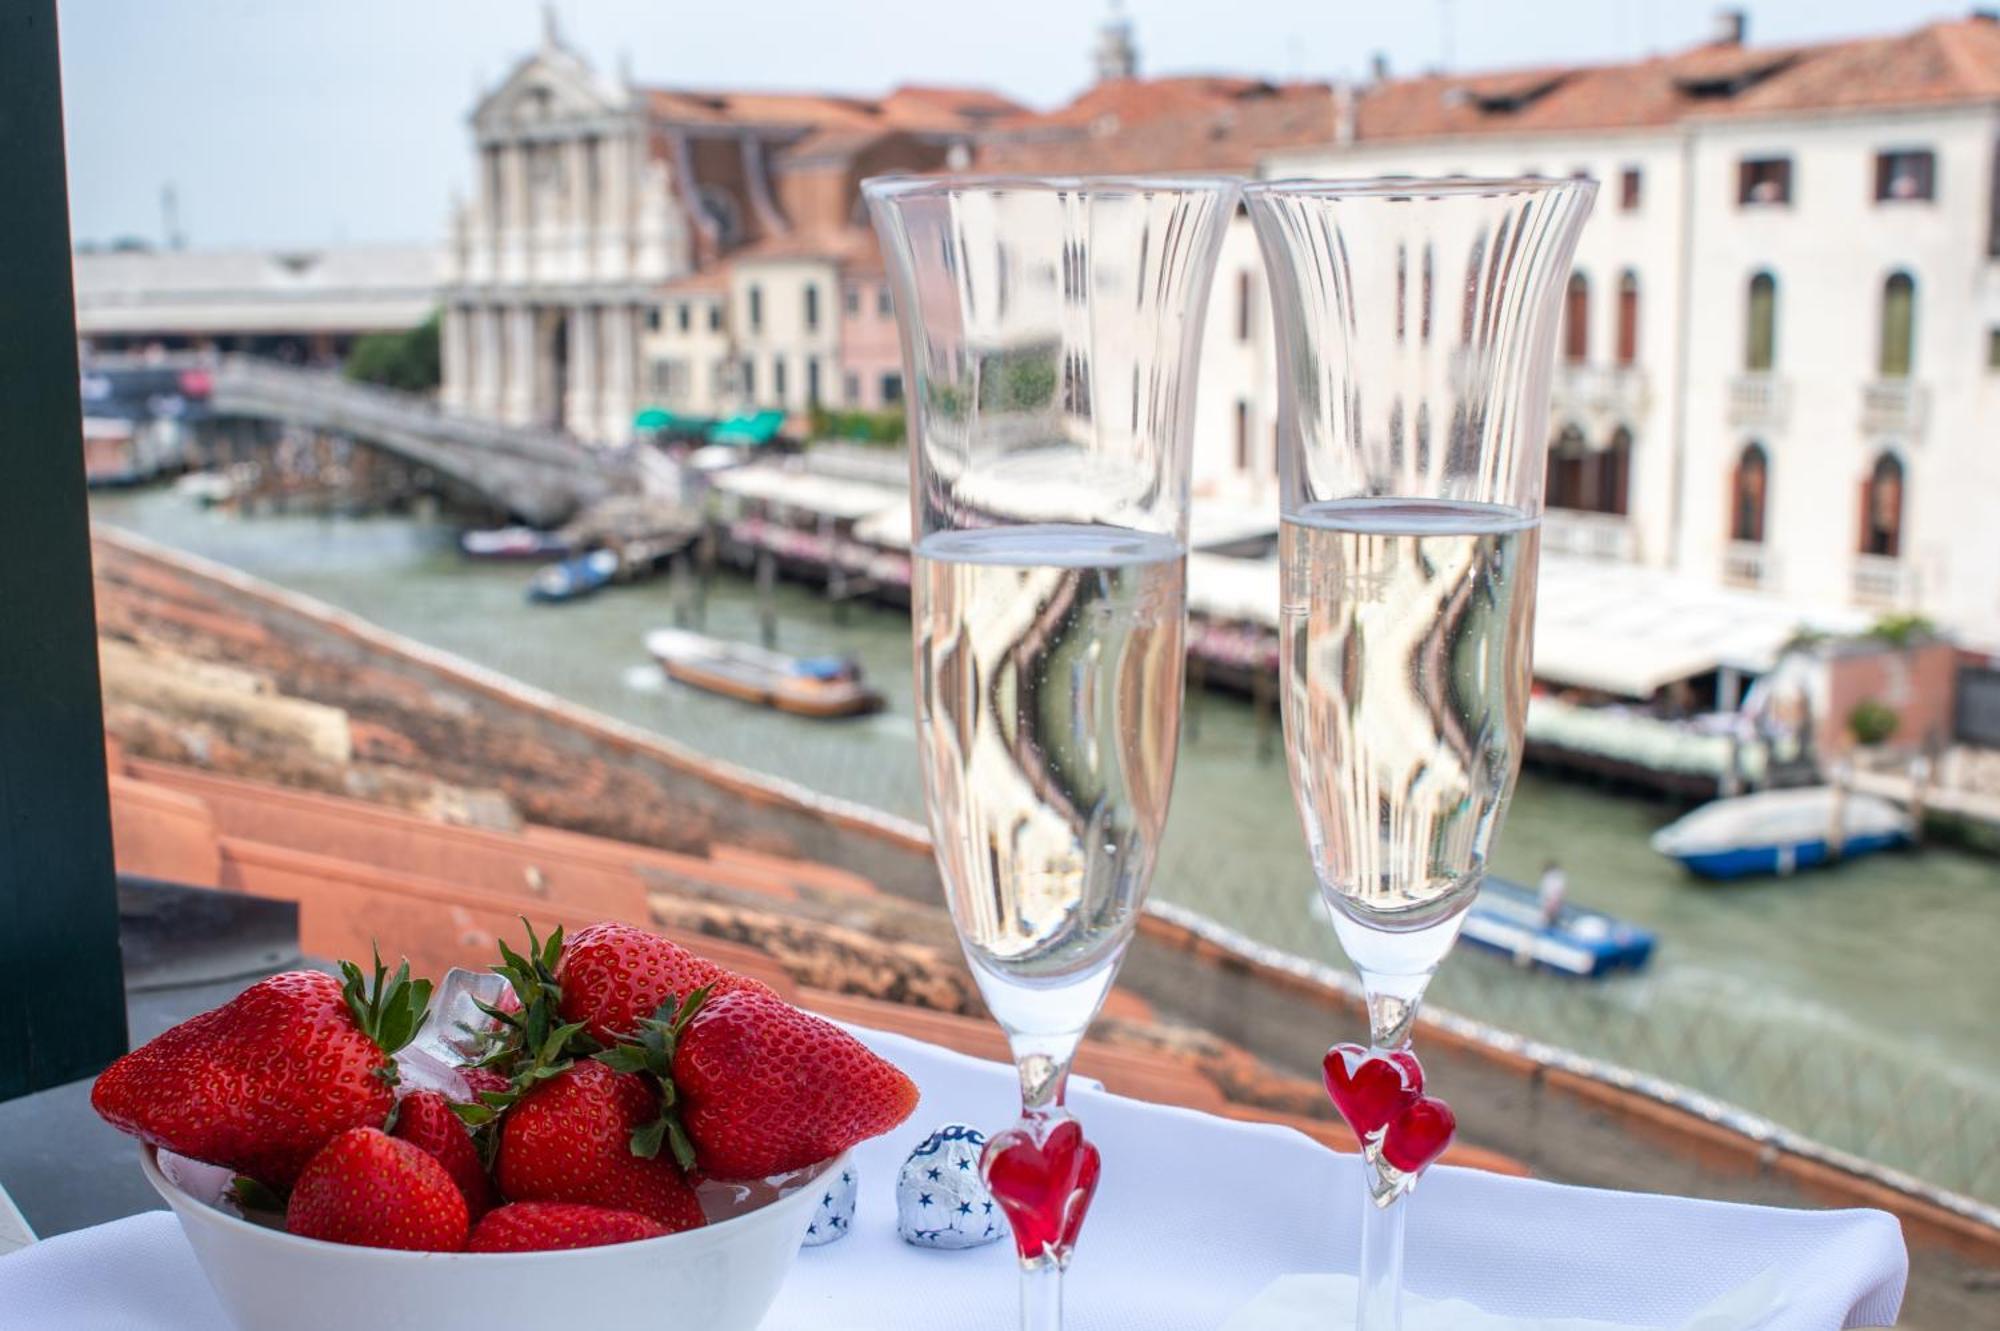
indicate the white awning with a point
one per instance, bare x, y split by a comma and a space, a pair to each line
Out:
1632, 631
1618, 628
837, 499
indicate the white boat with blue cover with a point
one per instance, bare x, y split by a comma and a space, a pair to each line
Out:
1507, 918
1780, 831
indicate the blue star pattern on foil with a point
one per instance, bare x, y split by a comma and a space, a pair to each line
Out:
941, 1198
834, 1215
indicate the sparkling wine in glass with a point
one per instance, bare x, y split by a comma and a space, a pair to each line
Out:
1050, 331
1416, 322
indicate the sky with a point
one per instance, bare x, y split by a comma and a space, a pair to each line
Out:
282, 123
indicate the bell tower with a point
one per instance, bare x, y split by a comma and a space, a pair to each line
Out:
1116, 56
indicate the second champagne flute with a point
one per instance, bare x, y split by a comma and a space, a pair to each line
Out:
1050, 330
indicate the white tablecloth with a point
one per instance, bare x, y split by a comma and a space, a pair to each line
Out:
1195, 1215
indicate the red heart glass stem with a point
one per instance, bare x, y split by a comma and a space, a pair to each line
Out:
1381, 1096
1043, 1173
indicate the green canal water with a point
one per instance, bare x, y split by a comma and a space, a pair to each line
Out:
1856, 1005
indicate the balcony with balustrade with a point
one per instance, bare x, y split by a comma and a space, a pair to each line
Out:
1893, 407
1882, 582
1607, 537
1745, 564
1759, 401
1606, 395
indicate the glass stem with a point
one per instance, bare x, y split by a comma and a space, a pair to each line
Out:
1379, 1300
1041, 1296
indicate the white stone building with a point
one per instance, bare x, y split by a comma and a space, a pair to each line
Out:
1781, 364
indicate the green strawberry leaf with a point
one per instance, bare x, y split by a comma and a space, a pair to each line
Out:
254, 1196
647, 1137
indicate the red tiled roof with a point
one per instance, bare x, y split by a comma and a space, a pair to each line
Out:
852, 248
910, 108
1130, 125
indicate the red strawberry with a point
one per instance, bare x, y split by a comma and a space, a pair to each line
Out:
367, 1188
261, 1083
538, 1226
426, 1120
761, 1088
614, 976
482, 1081
569, 1139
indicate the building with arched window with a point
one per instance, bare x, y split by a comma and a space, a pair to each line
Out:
1797, 261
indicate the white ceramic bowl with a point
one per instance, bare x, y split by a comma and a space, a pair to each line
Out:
721, 1277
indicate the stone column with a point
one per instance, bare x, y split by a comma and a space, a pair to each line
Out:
585, 400
513, 228
453, 351
489, 371
616, 220
576, 180
621, 364
519, 407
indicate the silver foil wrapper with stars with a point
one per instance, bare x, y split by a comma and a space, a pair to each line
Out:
941, 1201
834, 1215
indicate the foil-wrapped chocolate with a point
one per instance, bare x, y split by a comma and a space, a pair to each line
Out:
834, 1215
941, 1201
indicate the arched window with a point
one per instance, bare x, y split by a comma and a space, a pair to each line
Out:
1614, 474
1746, 494
1882, 509
1760, 349
1899, 325
1568, 459
1628, 317
1576, 320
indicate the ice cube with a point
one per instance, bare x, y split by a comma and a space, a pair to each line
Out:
453, 1035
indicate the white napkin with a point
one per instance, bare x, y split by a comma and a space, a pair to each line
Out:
1194, 1218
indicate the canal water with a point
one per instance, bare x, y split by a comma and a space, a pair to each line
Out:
1856, 1005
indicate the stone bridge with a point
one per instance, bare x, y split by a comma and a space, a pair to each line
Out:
538, 474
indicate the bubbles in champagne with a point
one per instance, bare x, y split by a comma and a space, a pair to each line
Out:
1049, 664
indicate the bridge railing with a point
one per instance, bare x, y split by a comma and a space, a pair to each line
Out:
328, 394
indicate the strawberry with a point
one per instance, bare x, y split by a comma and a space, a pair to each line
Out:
569, 1138
614, 976
261, 1083
538, 1226
370, 1189
752, 1086
427, 1121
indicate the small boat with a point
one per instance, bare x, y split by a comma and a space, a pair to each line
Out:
573, 579
1779, 831
207, 488
513, 543
1506, 917
817, 686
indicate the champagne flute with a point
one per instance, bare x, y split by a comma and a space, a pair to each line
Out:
1050, 333
1416, 322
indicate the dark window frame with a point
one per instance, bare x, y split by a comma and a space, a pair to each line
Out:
62, 994
1631, 189
1922, 164
1753, 174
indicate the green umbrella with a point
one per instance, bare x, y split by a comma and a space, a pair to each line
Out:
653, 418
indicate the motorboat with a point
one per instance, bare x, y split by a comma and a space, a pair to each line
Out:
574, 579
1781, 831
815, 686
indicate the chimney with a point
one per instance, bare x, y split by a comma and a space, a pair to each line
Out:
1343, 114
1732, 26
1378, 67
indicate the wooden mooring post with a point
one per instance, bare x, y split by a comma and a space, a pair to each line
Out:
767, 594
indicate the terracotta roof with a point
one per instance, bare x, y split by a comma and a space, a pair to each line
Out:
1135, 101
853, 248
1946, 62
711, 279
910, 108
1197, 131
